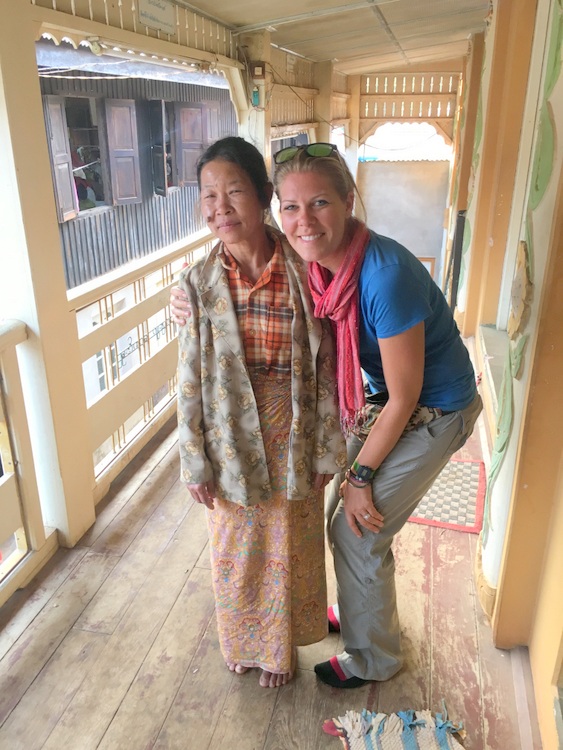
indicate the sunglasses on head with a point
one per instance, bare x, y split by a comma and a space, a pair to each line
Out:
313, 149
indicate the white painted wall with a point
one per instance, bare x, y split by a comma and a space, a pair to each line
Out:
407, 201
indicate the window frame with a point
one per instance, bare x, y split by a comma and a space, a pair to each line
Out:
192, 128
119, 153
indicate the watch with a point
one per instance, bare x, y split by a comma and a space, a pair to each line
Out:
363, 473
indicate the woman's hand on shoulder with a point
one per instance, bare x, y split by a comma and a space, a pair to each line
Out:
179, 306
203, 493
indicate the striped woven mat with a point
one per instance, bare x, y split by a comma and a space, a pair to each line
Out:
405, 730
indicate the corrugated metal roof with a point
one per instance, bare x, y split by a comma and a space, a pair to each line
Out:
65, 58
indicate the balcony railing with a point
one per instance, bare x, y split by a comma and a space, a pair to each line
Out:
24, 541
129, 354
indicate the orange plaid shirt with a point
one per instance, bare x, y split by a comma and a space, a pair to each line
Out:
264, 311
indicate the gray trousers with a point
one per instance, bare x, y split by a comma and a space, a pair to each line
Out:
365, 568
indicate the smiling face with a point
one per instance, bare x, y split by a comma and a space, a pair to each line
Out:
230, 204
314, 217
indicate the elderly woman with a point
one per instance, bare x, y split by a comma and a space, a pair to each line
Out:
258, 422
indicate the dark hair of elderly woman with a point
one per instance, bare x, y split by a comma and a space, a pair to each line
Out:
246, 156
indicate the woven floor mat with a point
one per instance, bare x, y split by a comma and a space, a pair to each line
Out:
415, 730
455, 500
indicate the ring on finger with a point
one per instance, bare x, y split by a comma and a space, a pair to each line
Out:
366, 516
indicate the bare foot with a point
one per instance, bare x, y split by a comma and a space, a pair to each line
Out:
238, 668
273, 679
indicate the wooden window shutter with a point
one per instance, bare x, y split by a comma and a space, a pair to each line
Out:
191, 137
212, 111
61, 160
123, 147
157, 119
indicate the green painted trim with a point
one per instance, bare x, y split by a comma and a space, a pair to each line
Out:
505, 419
545, 145
543, 157
517, 357
553, 67
504, 428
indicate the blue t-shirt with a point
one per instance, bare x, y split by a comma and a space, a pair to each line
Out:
397, 292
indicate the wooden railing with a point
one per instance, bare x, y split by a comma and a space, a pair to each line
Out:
129, 354
24, 541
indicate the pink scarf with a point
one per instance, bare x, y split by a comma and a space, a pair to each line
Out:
337, 299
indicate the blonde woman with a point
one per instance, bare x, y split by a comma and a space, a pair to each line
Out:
392, 322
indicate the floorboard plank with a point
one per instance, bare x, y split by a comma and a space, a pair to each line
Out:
112, 601
195, 712
245, 718
31, 651
131, 479
126, 649
500, 723
410, 688
117, 537
25, 604
455, 655
35, 716
529, 732
204, 559
302, 707
500, 711
142, 712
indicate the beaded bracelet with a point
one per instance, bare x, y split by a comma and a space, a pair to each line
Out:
354, 481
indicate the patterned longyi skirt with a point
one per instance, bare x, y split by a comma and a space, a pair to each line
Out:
268, 559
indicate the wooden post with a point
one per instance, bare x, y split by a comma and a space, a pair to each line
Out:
32, 289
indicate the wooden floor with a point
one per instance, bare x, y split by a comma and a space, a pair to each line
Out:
114, 645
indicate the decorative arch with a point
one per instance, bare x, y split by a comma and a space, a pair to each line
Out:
409, 97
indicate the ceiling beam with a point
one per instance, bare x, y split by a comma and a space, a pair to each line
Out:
306, 16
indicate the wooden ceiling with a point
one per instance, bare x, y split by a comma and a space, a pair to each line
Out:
362, 36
